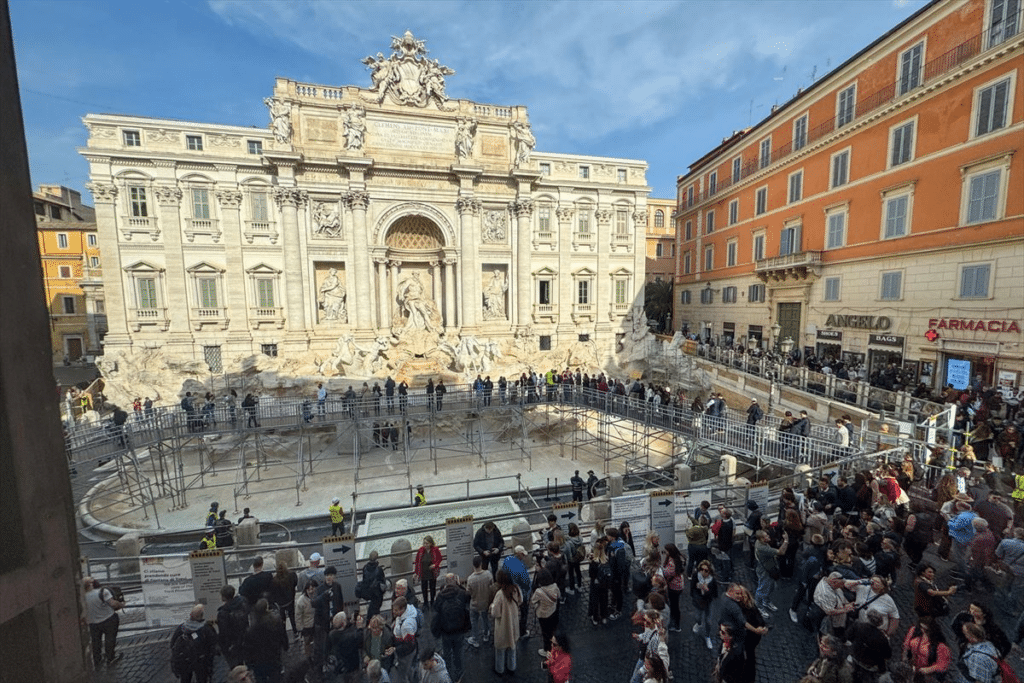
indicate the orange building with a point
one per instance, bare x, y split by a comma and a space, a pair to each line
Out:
72, 275
661, 240
878, 216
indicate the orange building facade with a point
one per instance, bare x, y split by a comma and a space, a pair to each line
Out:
72, 272
878, 216
661, 240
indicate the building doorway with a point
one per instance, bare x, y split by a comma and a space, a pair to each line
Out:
789, 321
73, 348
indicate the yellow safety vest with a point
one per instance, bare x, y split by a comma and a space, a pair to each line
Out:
1018, 491
420, 499
208, 543
336, 514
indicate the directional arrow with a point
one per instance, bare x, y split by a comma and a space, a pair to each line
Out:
568, 515
665, 502
342, 549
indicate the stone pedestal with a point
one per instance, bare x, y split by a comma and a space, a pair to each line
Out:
130, 546
523, 535
684, 475
600, 509
247, 533
614, 485
727, 468
288, 557
401, 557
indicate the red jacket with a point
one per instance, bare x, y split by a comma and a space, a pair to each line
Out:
435, 554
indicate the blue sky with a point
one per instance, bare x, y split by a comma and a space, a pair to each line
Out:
658, 81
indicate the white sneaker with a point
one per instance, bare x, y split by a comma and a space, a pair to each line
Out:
570, 591
707, 641
542, 652
772, 607
696, 628
472, 641
793, 617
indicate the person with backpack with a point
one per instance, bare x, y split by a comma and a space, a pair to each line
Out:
232, 623
193, 646
372, 586
451, 622
544, 601
575, 552
516, 566
619, 560
101, 607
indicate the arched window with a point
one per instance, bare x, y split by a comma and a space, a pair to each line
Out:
659, 219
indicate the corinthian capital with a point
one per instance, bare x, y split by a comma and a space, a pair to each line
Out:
290, 197
168, 195
468, 206
102, 192
229, 199
523, 208
640, 218
603, 215
565, 213
357, 200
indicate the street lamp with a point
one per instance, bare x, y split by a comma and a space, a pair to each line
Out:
776, 328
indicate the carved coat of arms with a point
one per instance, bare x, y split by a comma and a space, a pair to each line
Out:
407, 76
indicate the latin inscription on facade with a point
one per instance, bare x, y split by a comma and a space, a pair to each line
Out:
412, 137
321, 130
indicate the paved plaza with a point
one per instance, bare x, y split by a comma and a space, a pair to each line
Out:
604, 654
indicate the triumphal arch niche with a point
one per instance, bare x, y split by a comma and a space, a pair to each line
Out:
370, 229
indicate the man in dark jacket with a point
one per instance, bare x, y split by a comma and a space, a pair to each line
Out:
193, 646
490, 544
374, 584
327, 602
343, 644
451, 623
232, 623
264, 642
256, 584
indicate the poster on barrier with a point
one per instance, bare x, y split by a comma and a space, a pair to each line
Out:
663, 515
635, 509
166, 588
459, 542
208, 575
340, 552
758, 492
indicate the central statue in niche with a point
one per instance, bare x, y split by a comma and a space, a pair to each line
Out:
421, 311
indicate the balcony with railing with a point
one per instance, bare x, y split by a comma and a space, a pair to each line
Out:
545, 313
266, 315
797, 266
263, 229
544, 238
584, 313
622, 240
870, 104
208, 316
141, 317
130, 226
202, 227
583, 240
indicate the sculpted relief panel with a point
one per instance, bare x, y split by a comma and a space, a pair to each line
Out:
331, 293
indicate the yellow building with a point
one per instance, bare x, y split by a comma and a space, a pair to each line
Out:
661, 240
72, 276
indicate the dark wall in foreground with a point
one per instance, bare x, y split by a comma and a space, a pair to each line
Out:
40, 634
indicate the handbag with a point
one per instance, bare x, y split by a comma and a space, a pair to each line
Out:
997, 576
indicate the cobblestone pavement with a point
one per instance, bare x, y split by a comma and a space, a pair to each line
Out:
603, 654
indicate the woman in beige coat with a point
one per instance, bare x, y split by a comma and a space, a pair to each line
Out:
505, 613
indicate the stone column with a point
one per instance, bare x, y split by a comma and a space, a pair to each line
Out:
449, 293
360, 286
564, 297
177, 300
469, 277
522, 212
602, 287
392, 290
289, 200
435, 279
381, 273
116, 300
235, 300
